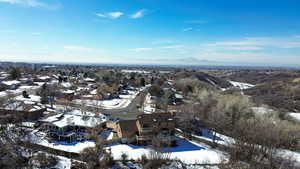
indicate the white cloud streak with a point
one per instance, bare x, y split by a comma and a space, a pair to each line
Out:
111, 15
173, 47
30, 3
141, 49
138, 14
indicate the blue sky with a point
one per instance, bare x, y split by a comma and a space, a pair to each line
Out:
220, 32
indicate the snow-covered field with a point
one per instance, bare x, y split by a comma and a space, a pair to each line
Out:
241, 85
187, 151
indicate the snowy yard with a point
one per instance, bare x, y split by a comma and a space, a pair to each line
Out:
75, 147
187, 151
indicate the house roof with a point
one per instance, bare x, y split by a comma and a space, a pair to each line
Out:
155, 117
75, 118
127, 125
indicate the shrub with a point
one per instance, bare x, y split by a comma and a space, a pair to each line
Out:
124, 157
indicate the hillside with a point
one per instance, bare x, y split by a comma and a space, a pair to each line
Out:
204, 77
257, 77
283, 95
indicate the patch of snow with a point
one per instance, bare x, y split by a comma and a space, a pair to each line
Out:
262, 110
12, 82
63, 163
295, 116
31, 98
66, 84
187, 151
241, 85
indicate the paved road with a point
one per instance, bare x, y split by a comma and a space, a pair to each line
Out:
127, 113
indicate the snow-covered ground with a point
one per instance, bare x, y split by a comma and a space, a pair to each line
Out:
118, 103
225, 140
241, 85
31, 98
187, 151
63, 163
295, 116
38, 137
262, 110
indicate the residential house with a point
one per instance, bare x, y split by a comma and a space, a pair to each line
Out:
158, 125
147, 127
72, 126
17, 116
12, 85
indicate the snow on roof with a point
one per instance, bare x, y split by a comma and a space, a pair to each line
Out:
82, 88
178, 96
23, 79
93, 92
39, 83
11, 82
76, 118
44, 77
66, 84
89, 79
28, 87
68, 91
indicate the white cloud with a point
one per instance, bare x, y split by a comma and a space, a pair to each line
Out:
30, 3
111, 15
187, 29
115, 15
244, 48
101, 15
173, 47
234, 43
138, 14
141, 49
